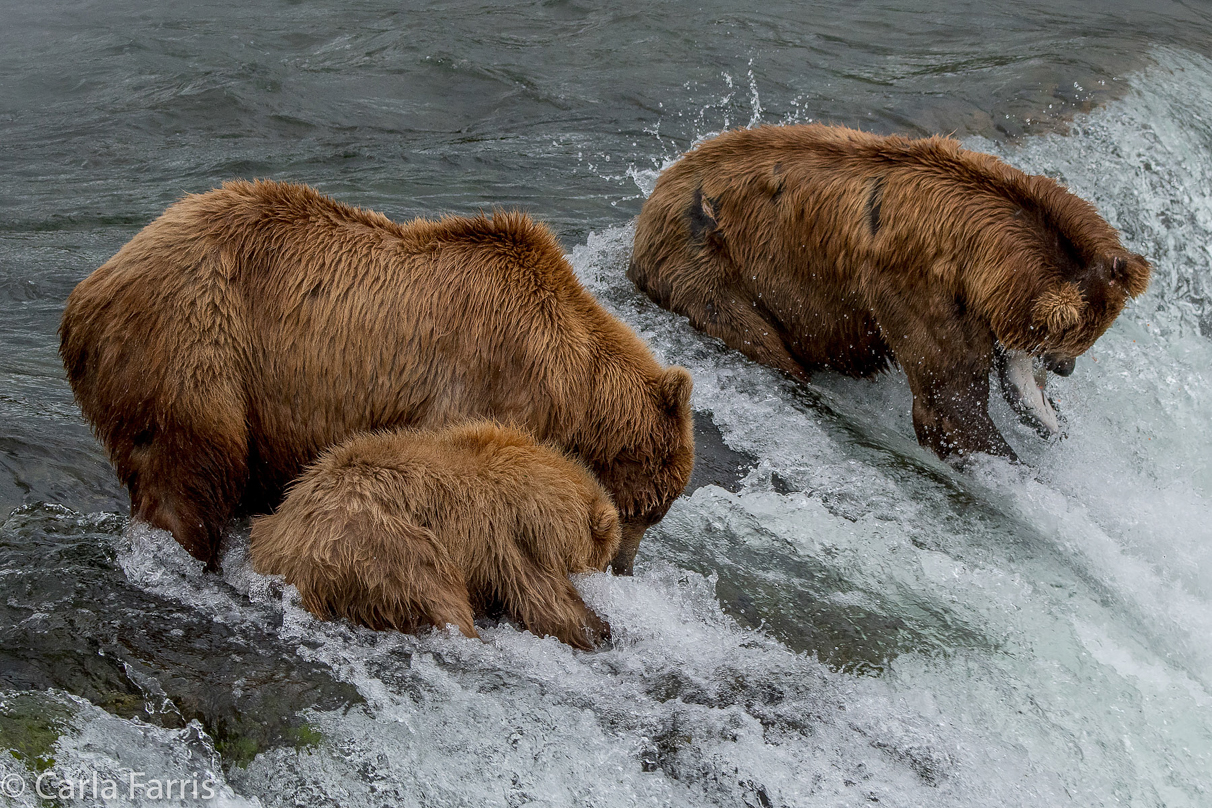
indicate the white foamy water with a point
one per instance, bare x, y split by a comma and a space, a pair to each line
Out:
860, 624
101, 759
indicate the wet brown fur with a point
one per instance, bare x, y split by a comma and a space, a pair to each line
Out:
251, 327
813, 246
408, 529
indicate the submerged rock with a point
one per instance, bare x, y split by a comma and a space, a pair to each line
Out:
70, 620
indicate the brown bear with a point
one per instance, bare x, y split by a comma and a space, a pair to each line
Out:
251, 327
815, 246
413, 528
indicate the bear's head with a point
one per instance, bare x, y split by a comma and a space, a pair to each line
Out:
648, 475
1067, 314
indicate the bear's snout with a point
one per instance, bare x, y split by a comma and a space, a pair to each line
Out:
1061, 366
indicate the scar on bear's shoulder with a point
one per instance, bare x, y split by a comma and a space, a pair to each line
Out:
875, 199
778, 182
701, 216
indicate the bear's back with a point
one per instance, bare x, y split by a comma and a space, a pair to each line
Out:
473, 485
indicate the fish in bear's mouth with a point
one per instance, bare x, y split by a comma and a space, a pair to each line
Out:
1022, 377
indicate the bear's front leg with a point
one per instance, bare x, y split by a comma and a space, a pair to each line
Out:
951, 411
946, 350
548, 605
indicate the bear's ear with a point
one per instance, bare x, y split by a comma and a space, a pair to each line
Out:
1059, 308
675, 387
603, 521
1132, 271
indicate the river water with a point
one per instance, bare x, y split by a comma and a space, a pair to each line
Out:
831, 617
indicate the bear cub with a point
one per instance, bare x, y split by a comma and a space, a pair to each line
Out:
412, 528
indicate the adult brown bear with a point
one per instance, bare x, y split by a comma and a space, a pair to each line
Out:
817, 246
251, 327
414, 528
